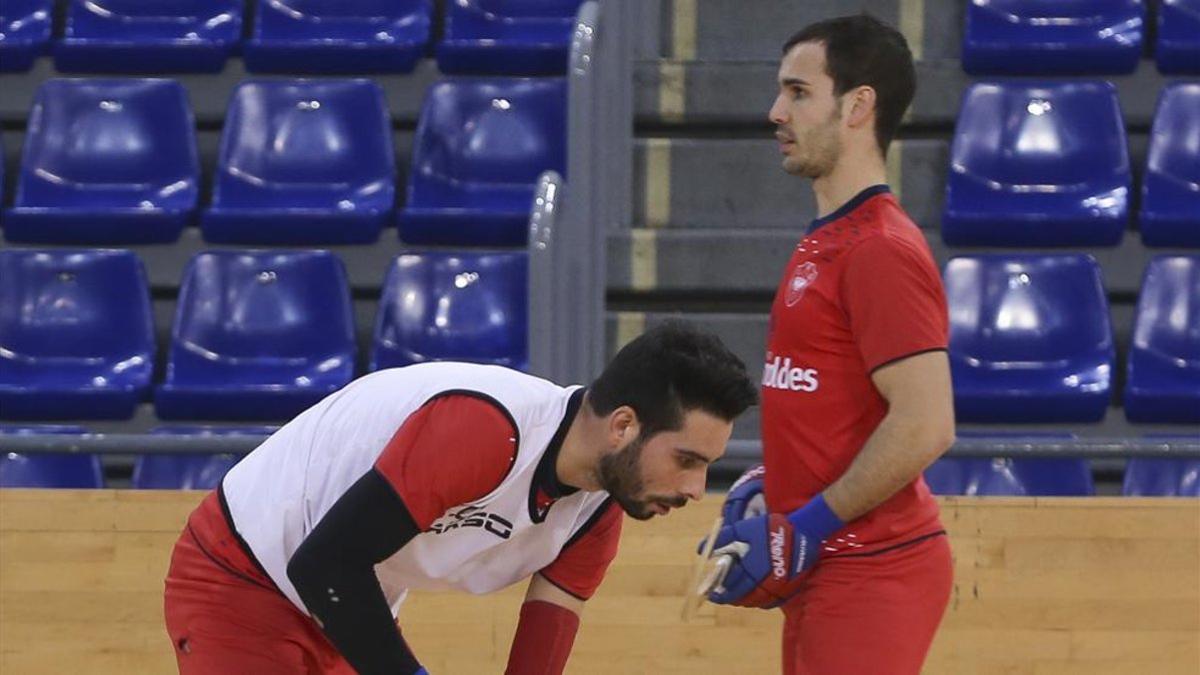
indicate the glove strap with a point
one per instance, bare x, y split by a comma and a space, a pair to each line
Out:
815, 519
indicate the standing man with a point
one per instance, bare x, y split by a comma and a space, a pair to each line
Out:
443, 476
856, 387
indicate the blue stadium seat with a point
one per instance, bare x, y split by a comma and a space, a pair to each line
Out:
460, 306
106, 162
76, 334
303, 162
1030, 338
135, 36
24, 32
1038, 164
480, 146
1011, 477
1034, 477
1162, 477
1052, 37
507, 37
1178, 48
1163, 383
338, 36
189, 471
257, 336
49, 469
1170, 213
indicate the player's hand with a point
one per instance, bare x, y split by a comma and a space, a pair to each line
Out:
772, 554
745, 497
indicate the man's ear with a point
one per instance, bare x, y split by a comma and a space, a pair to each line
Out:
861, 106
623, 426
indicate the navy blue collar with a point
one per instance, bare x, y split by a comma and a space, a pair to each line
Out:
546, 487
849, 206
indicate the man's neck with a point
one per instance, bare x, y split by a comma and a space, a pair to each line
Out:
575, 465
846, 180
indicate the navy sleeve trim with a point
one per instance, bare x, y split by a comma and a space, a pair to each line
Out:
907, 356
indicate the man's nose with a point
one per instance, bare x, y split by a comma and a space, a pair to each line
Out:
778, 112
693, 487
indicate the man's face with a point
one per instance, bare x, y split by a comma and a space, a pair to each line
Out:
806, 114
650, 476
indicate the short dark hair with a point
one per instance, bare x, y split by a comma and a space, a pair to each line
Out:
669, 370
861, 50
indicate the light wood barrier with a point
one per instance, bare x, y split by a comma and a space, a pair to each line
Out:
1047, 586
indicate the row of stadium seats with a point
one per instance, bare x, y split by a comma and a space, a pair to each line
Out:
294, 36
1038, 477
1047, 164
949, 476
1057, 37
311, 162
300, 162
256, 335
262, 335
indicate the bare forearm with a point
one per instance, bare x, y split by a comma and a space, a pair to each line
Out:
901, 447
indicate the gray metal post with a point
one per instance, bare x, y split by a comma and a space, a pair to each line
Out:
547, 357
582, 284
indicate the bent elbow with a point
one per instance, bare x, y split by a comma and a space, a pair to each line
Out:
938, 439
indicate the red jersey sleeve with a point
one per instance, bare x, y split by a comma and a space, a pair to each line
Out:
453, 450
580, 566
894, 299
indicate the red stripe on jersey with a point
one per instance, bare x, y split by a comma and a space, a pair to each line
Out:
454, 450
580, 566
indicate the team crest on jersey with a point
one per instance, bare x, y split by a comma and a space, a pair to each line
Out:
802, 278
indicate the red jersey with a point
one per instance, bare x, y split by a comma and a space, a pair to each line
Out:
860, 291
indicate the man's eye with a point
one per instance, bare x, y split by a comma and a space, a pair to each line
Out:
797, 93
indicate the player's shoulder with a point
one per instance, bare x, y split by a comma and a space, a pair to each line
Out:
887, 232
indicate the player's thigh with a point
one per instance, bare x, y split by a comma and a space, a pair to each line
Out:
200, 652
220, 624
871, 615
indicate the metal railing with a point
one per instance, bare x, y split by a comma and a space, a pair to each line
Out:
1011, 446
550, 355
738, 451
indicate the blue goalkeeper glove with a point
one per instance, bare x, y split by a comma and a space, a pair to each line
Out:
745, 498
772, 554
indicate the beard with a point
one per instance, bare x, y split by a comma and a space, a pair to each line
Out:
620, 475
816, 152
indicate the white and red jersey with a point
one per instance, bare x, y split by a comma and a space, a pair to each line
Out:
470, 450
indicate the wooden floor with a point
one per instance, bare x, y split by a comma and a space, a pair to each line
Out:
1043, 586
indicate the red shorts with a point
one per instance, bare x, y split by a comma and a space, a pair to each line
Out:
874, 613
225, 617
